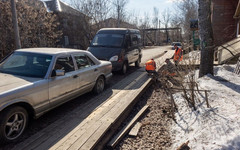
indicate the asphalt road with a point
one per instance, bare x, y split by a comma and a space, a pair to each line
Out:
153, 52
55, 114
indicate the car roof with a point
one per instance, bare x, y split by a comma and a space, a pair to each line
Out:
118, 30
51, 51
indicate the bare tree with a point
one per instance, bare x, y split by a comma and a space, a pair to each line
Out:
155, 22
120, 6
95, 11
155, 17
132, 17
166, 18
176, 23
206, 37
186, 10
144, 23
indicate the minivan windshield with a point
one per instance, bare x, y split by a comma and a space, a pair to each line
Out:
26, 64
108, 40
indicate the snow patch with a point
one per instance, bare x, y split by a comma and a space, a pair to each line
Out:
217, 127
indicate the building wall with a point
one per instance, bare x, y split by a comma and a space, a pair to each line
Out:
223, 23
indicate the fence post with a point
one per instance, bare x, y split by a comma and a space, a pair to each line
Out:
237, 69
206, 96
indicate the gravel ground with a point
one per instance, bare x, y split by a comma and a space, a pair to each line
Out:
154, 133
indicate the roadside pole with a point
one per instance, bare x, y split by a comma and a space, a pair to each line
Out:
15, 24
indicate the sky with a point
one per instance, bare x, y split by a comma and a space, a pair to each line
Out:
140, 7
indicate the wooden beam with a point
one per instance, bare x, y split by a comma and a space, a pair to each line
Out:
135, 129
123, 132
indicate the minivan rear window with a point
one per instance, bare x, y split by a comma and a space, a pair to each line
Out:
108, 40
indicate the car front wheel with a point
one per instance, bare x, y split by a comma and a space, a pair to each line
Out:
137, 63
12, 124
99, 86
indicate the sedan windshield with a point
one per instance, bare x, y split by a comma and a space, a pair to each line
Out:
108, 40
26, 64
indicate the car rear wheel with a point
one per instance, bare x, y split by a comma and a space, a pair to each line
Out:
124, 68
12, 124
99, 86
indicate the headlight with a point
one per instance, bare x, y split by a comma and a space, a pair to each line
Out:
114, 58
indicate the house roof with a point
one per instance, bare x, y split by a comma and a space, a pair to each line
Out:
237, 13
59, 6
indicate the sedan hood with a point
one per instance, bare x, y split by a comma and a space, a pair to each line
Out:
104, 53
9, 82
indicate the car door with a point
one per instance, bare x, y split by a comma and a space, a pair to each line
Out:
87, 72
129, 48
135, 50
61, 88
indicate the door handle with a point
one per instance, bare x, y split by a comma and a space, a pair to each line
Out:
95, 69
75, 76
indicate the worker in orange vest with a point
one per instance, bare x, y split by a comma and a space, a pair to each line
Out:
169, 69
150, 67
178, 55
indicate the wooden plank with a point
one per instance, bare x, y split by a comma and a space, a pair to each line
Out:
73, 136
110, 117
123, 132
80, 141
134, 131
93, 140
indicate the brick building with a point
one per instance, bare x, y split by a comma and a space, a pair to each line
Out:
223, 23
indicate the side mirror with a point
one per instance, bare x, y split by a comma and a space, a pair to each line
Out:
58, 72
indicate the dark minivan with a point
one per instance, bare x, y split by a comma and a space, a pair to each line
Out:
121, 46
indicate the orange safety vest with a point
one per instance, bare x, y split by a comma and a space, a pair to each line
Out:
150, 65
178, 55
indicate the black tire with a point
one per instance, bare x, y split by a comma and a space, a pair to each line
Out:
99, 86
13, 122
137, 63
124, 68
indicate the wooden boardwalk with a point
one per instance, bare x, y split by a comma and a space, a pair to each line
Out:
86, 126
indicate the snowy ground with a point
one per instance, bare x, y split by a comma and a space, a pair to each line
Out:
217, 127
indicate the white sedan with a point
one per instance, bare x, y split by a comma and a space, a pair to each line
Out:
35, 80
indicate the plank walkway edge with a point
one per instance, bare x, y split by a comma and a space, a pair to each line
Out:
100, 144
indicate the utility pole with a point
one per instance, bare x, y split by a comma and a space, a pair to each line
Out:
159, 32
15, 24
118, 20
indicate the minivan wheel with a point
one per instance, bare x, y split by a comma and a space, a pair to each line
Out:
99, 86
12, 124
124, 68
137, 63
